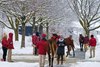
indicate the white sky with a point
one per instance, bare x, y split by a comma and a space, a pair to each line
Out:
28, 50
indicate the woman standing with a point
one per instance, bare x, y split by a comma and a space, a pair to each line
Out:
60, 50
4, 46
86, 43
10, 47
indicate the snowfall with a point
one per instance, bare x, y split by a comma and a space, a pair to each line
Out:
28, 50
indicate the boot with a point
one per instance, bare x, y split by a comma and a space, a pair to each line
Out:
57, 62
61, 62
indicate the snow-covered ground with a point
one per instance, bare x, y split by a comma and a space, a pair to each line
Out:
28, 50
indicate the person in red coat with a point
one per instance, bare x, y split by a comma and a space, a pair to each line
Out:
86, 43
10, 47
92, 44
42, 47
35, 40
4, 47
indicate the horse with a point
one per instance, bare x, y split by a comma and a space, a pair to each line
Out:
51, 51
70, 45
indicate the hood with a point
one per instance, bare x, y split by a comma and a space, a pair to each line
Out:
10, 35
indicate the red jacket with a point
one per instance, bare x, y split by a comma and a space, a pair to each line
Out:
86, 40
4, 42
92, 42
35, 39
10, 41
42, 47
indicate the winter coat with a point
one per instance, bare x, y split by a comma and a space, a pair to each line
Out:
81, 39
42, 47
4, 42
10, 41
35, 39
92, 42
86, 40
61, 45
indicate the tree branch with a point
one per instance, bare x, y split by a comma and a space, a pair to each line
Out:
95, 28
5, 24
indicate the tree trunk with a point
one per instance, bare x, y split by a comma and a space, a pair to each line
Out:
85, 26
47, 30
33, 25
87, 32
16, 30
16, 34
40, 28
23, 35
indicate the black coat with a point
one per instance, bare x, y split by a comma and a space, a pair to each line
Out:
61, 45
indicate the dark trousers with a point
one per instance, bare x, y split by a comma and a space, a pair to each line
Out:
81, 46
58, 58
4, 53
35, 51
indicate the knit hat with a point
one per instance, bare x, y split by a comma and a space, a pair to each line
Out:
43, 35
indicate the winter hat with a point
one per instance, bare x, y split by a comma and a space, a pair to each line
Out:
43, 35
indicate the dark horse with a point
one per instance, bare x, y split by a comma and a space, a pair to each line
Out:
51, 51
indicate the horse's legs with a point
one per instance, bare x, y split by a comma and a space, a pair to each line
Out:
68, 52
49, 59
73, 52
52, 59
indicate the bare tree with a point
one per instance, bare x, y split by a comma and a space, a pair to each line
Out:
13, 25
88, 13
21, 10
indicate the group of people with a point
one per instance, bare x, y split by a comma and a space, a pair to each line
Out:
7, 46
53, 47
86, 42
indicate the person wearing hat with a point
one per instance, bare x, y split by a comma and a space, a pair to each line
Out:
42, 47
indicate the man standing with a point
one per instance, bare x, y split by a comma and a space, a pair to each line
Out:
92, 44
42, 47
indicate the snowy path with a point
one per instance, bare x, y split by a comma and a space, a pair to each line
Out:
80, 56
